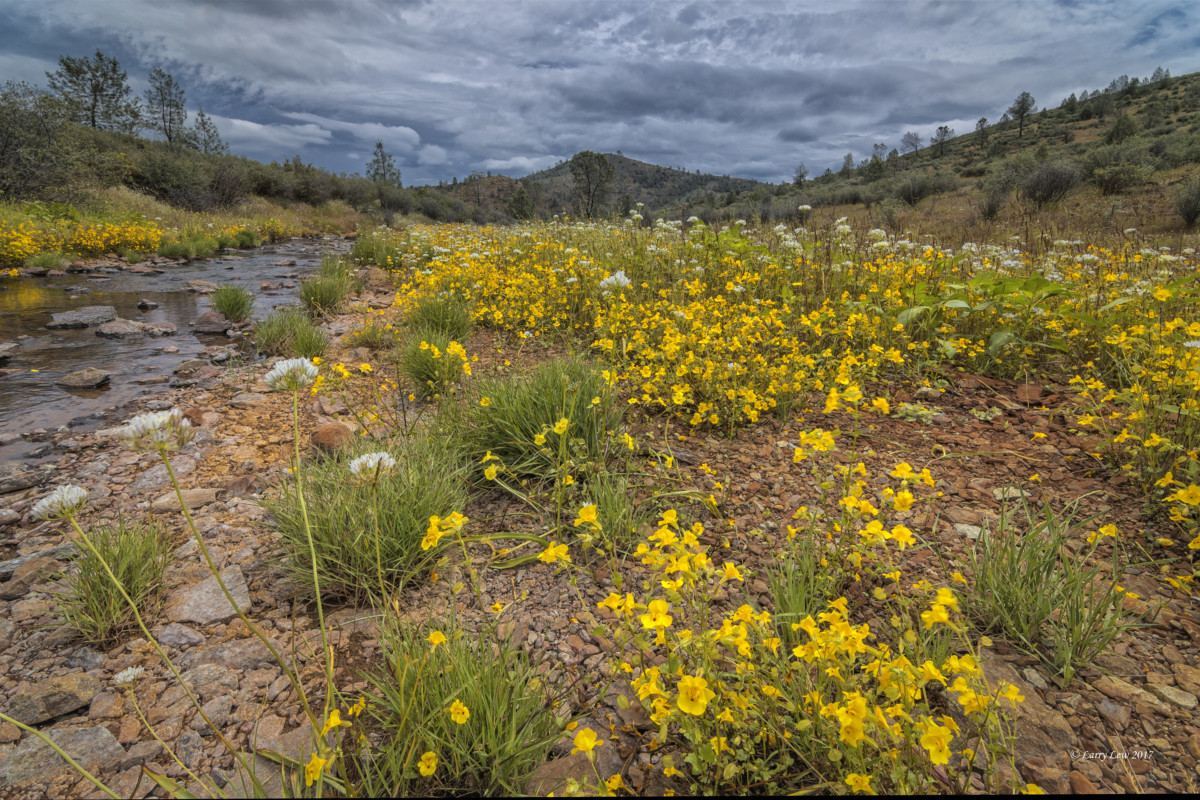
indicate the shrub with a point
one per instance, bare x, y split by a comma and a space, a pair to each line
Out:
519, 411
373, 337
1187, 203
433, 362
326, 292
91, 603
507, 735
288, 331
448, 314
1049, 182
233, 302
352, 516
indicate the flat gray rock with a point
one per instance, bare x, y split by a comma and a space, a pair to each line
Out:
52, 698
121, 329
157, 476
84, 317
15, 476
34, 760
86, 378
201, 287
159, 329
204, 603
62, 551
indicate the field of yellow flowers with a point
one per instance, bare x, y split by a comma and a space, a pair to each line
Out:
857, 665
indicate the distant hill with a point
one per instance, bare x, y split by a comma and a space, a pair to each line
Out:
552, 190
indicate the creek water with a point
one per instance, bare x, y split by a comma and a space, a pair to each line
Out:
29, 395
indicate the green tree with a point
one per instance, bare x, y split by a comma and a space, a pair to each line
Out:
911, 141
1021, 108
847, 165
36, 156
801, 174
164, 107
593, 176
95, 92
520, 205
1122, 129
981, 131
206, 138
943, 134
382, 169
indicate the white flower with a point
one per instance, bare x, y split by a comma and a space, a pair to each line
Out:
65, 501
617, 280
155, 430
805, 208
128, 675
1192, 343
372, 462
291, 375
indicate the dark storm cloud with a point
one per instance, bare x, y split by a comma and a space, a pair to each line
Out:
748, 88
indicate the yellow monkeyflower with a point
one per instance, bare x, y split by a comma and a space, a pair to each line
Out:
560, 427
485, 401
436, 638
365, 368
586, 741
312, 770
859, 783
491, 472
334, 721
694, 695
731, 573
587, 515
903, 471
428, 763
936, 740
497, 607
539, 439
881, 405
1189, 496
555, 552
614, 783
459, 712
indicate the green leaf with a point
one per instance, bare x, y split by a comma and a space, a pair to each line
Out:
998, 340
169, 786
911, 314
957, 304
1120, 301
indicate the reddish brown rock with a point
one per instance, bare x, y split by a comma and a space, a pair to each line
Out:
333, 437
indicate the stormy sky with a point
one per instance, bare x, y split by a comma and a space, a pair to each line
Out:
749, 89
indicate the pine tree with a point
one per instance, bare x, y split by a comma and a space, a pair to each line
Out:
95, 92
164, 107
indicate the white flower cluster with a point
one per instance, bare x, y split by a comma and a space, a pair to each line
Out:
158, 430
618, 280
291, 375
63, 502
128, 675
372, 462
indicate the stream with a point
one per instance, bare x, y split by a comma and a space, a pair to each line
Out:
139, 365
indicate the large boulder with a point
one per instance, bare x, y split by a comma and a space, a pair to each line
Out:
121, 329
15, 476
86, 378
84, 317
52, 698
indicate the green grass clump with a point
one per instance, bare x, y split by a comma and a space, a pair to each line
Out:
91, 603
288, 331
188, 248
507, 734
521, 411
233, 302
1029, 589
446, 313
433, 362
326, 292
348, 512
376, 338
46, 261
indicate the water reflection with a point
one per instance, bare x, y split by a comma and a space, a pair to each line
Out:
29, 396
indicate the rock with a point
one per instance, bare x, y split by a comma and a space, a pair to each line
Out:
927, 393
288, 262
200, 287
194, 498
120, 329
553, 775
1010, 493
15, 476
1040, 729
1176, 697
242, 486
244, 654
1080, 784
1127, 693
34, 760
1187, 677
52, 698
188, 748
204, 603
84, 317
8, 517
6, 350
157, 329
1113, 714
332, 437
1029, 393
176, 635
247, 399
219, 710
147, 305
26, 575
62, 551
86, 378
1049, 779
969, 531
212, 322
157, 476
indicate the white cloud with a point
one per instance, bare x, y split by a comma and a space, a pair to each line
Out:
244, 135
395, 138
431, 156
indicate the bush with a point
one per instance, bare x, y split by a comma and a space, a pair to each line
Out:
233, 302
508, 734
1187, 203
91, 603
374, 337
288, 331
447, 314
351, 516
46, 261
433, 362
326, 292
1049, 182
521, 410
